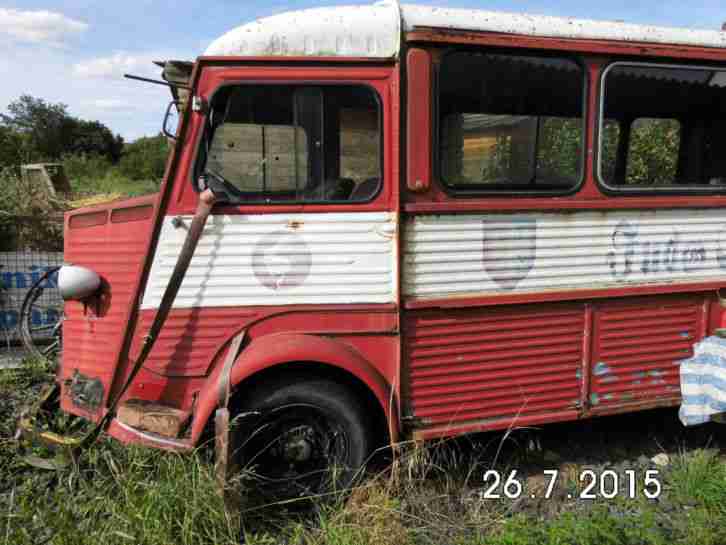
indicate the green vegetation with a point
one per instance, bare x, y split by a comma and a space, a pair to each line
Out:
93, 175
35, 130
117, 495
652, 156
95, 160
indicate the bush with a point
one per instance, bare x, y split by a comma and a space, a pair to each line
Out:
29, 218
145, 159
86, 166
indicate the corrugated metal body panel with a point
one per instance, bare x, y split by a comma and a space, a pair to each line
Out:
638, 347
281, 259
93, 334
493, 366
525, 253
190, 338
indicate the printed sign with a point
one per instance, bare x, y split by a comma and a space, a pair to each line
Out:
19, 271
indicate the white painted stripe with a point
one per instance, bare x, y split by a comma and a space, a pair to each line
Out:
531, 252
281, 259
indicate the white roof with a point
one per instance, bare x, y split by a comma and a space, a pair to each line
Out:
349, 31
375, 30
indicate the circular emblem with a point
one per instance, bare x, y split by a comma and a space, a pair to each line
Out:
281, 260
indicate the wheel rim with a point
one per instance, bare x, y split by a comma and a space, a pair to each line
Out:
296, 450
42, 340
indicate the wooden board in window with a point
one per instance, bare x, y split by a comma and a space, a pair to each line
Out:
260, 158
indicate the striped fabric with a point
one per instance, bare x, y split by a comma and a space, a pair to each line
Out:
703, 382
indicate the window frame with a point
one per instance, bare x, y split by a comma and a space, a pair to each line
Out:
196, 168
459, 192
643, 190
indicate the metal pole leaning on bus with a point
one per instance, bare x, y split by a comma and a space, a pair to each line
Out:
207, 199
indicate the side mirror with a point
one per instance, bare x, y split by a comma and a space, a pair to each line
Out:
171, 120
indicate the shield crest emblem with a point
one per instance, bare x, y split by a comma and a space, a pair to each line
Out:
509, 249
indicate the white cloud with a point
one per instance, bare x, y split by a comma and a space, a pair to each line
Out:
43, 27
118, 64
107, 104
130, 108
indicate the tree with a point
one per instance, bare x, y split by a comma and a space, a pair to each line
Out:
94, 138
50, 132
14, 147
145, 158
47, 126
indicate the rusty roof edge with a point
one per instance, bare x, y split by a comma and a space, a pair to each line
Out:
415, 17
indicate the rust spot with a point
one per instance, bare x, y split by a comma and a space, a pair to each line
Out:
85, 392
153, 417
294, 224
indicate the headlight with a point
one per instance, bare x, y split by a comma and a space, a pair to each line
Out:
77, 283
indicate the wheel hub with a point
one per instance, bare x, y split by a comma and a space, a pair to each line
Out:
297, 450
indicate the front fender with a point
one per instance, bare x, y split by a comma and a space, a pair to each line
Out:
280, 348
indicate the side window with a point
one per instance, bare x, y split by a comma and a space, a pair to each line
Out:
663, 127
275, 143
510, 123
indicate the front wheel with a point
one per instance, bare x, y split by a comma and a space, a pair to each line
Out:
302, 438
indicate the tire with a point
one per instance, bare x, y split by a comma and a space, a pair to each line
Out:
302, 437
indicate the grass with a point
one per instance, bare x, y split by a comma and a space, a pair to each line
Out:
94, 175
109, 184
122, 495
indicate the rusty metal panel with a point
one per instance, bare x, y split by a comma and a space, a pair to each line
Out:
526, 24
638, 348
493, 366
281, 259
492, 254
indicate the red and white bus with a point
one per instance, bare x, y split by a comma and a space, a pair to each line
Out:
411, 222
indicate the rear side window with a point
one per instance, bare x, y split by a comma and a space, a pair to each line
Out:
510, 123
663, 128
276, 143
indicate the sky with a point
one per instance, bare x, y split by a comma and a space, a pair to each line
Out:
76, 51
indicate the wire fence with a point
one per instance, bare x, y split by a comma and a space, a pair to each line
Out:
30, 247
